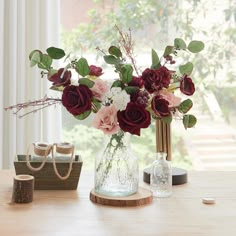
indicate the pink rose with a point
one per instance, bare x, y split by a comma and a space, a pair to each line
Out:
106, 120
99, 88
171, 98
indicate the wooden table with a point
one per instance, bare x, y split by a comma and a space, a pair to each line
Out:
70, 212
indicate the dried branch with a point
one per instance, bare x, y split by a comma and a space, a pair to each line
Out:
126, 43
37, 104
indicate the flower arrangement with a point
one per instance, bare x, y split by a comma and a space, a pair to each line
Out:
124, 105
130, 101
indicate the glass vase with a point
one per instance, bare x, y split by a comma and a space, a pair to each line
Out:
161, 176
116, 167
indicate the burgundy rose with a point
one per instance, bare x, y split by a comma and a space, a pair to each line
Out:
60, 78
133, 118
77, 99
156, 79
187, 86
95, 71
136, 81
160, 106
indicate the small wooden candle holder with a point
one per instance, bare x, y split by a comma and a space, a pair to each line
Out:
23, 188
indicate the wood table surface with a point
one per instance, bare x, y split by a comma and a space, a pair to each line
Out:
70, 212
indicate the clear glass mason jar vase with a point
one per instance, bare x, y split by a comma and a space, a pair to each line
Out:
116, 167
161, 176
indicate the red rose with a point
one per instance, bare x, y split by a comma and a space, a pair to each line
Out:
156, 79
61, 81
133, 118
95, 71
136, 81
187, 86
160, 106
77, 99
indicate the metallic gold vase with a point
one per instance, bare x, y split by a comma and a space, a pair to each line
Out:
163, 138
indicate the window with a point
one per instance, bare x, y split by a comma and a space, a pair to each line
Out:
211, 144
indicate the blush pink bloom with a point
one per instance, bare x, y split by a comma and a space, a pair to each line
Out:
99, 88
106, 120
173, 100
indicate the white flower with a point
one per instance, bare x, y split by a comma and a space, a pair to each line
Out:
120, 100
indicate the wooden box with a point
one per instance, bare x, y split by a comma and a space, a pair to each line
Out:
46, 179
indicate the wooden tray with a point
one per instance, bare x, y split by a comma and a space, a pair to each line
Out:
142, 197
46, 178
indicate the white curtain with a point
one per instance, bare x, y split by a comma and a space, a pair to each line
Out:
25, 25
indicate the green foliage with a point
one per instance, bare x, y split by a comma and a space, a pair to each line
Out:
35, 57
82, 67
115, 51
45, 62
89, 83
126, 73
110, 59
131, 89
55, 53
196, 46
168, 50
155, 60
189, 121
83, 115
179, 43
118, 83
185, 106
186, 68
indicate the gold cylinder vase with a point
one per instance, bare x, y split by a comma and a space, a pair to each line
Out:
163, 138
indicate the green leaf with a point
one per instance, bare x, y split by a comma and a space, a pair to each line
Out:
86, 82
189, 121
52, 72
57, 88
46, 62
167, 119
82, 67
179, 43
117, 83
168, 50
110, 59
126, 73
55, 53
83, 115
155, 60
113, 50
186, 68
131, 89
185, 106
196, 46
35, 57
96, 105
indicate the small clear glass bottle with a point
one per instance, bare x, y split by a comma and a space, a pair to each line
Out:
161, 176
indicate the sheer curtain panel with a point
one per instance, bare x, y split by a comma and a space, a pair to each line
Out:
25, 25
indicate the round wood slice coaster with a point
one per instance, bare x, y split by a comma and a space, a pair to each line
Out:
142, 197
179, 176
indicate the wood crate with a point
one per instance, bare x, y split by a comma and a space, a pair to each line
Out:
46, 178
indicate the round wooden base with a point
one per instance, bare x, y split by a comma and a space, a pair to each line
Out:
179, 176
142, 197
